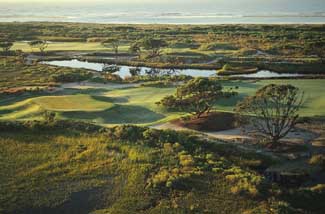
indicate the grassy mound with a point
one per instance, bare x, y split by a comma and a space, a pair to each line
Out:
119, 114
215, 121
33, 108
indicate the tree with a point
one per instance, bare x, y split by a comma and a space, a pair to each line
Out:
154, 45
135, 48
108, 68
272, 111
40, 44
318, 49
112, 42
135, 71
197, 96
6, 46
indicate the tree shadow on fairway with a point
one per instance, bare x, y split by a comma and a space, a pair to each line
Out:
6, 111
250, 84
119, 114
232, 101
111, 99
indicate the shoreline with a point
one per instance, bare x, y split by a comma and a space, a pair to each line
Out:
169, 24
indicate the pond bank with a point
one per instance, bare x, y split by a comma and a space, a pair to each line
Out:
125, 70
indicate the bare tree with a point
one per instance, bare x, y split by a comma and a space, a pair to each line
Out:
5, 46
114, 43
272, 111
154, 46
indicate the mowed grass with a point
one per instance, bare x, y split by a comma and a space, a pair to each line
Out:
313, 89
67, 46
73, 103
97, 46
32, 108
132, 106
137, 105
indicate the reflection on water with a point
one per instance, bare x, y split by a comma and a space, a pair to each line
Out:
125, 70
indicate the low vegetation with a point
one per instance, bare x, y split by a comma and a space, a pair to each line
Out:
69, 143
280, 48
14, 72
82, 168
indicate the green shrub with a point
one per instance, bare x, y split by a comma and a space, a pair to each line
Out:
76, 76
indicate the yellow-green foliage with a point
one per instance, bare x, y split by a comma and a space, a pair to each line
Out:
78, 167
244, 182
318, 160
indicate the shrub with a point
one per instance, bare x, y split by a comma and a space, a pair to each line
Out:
186, 160
76, 76
318, 160
157, 84
113, 78
49, 116
319, 188
243, 181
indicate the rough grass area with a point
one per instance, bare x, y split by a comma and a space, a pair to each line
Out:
15, 74
124, 170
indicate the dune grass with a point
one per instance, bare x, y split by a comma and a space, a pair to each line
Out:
65, 171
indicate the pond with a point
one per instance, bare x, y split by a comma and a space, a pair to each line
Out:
125, 70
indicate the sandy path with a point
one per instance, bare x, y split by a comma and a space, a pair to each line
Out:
227, 135
296, 136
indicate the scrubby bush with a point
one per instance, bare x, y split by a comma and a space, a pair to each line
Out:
217, 46
113, 78
319, 188
274, 207
318, 160
76, 76
49, 116
243, 181
157, 84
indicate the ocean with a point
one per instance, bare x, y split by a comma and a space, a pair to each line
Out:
209, 12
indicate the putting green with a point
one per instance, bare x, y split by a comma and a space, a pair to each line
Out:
73, 103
